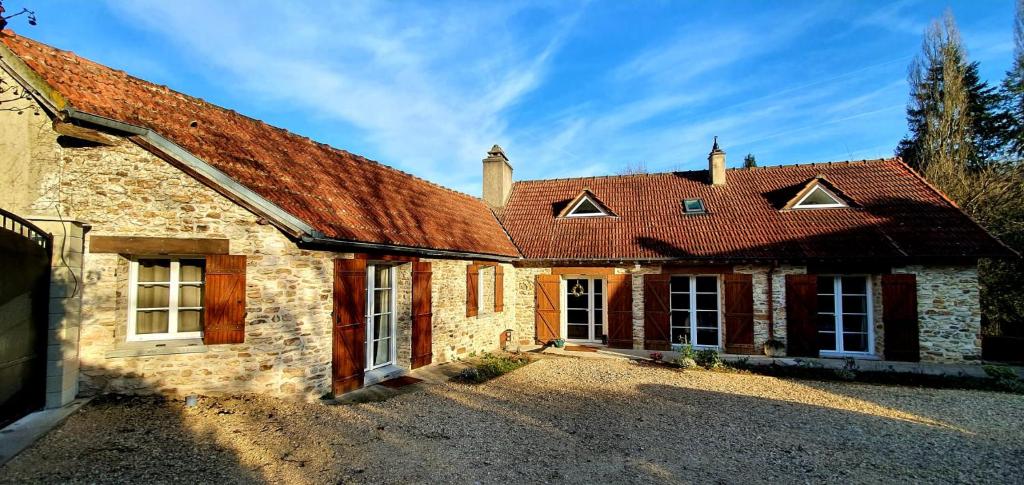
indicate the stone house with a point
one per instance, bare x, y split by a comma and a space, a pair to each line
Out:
202, 251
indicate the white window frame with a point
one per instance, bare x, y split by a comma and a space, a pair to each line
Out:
572, 212
480, 290
838, 203
591, 300
692, 295
172, 308
837, 315
371, 286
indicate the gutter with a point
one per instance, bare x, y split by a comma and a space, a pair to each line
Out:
318, 240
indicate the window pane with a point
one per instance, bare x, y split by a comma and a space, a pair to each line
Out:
707, 319
826, 323
680, 301
855, 342
191, 270
680, 335
818, 197
381, 352
707, 284
577, 316
827, 341
578, 331
190, 320
190, 296
707, 336
580, 287
707, 302
154, 321
693, 205
826, 285
381, 326
826, 304
679, 284
855, 323
381, 301
598, 301
586, 207
855, 304
153, 296
598, 331
598, 285
598, 317
680, 319
854, 285
154, 270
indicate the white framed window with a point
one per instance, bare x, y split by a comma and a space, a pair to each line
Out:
165, 298
844, 320
819, 198
380, 316
584, 318
695, 316
586, 208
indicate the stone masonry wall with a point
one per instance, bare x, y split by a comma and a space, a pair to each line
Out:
455, 335
949, 312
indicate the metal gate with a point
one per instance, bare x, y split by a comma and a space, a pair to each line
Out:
24, 296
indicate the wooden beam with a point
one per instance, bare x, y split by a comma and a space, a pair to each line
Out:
157, 245
405, 258
696, 269
581, 270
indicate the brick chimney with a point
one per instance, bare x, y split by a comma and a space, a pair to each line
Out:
716, 165
497, 178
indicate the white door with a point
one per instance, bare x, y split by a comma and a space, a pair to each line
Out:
583, 319
380, 316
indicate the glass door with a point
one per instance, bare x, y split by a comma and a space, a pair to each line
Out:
380, 318
584, 309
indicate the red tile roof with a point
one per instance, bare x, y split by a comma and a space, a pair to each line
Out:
897, 216
343, 195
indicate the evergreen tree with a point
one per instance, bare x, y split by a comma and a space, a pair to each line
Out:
749, 161
1013, 91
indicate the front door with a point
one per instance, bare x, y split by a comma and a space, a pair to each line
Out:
380, 316
584, 309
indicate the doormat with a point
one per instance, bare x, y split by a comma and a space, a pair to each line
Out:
400, 382
579, 348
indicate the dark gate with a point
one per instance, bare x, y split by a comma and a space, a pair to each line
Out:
24, 295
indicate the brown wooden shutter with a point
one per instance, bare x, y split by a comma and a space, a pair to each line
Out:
547, 313
620, 311
801, 312
499, 288
899, 317
739, 313
422, 314
657, 335
224, 300
472, 283
349, 329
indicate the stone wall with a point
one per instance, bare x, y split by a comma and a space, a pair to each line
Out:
455, 335
949, 312
524, 326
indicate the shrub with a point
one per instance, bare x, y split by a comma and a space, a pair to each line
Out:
489, 366
707, 358
1000, 372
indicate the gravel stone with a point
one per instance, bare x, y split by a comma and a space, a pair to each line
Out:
558, 419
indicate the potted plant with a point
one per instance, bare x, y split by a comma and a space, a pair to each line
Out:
774, 348
559, 343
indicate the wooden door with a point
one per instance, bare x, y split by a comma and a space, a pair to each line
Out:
620, 311
739, 313
801, 312
899, 317
547, 313
656, 312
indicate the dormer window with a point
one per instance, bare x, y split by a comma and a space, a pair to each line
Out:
693, 206
586, 204
819, 198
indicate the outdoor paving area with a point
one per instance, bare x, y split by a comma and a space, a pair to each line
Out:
560, 419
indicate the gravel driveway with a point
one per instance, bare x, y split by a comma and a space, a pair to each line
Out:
557, 420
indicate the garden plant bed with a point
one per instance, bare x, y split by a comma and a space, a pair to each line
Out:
555, 420
491, 365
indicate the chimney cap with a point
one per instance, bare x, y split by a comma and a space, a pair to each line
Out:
715, 148
496, 151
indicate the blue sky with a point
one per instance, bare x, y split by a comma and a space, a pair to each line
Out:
568, 89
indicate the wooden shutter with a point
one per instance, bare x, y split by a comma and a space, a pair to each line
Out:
739, 313
657, 335
224, 300
620, 311
472, 283
899, 317
801, 312
422, 314
349, 326
499, 288
547, 314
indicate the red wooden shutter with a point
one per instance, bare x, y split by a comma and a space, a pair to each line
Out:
499, 288
349, 329
472, 283
620, 311
899, 317
422, 314
657, 335
739, 313
801, 312
547, 313
224, 300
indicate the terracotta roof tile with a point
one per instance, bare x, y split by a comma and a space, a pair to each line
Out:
897, 216
343, 195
